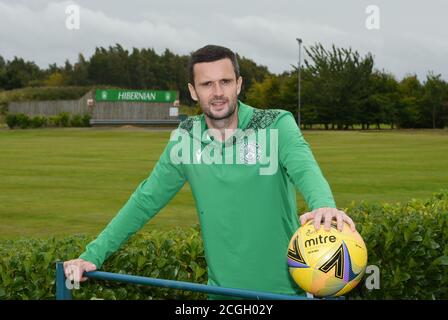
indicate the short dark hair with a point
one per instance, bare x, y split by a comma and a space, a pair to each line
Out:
211, 53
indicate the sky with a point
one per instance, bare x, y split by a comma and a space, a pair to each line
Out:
405, 37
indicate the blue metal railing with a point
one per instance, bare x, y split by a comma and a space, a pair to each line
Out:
64, 293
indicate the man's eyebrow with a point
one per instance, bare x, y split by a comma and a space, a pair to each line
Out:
223, 79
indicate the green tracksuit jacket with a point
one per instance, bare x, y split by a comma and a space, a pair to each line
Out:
247, 218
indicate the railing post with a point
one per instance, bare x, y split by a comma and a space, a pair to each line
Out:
62, 292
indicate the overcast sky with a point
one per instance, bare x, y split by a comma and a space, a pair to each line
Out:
412, 35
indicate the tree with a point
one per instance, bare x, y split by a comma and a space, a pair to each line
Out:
266, 94
80, 74
433, 104
55, 79
409, 112
110, 66
98, 67
2, 72
20, 74
381, 105
339, 78
136, 70
251, 73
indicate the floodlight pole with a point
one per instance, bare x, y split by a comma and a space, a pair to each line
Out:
299, 40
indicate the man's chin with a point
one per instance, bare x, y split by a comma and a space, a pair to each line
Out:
221, 114
217, 116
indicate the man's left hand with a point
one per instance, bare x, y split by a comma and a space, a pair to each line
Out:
327, 214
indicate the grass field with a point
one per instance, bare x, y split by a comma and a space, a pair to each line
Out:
56, 182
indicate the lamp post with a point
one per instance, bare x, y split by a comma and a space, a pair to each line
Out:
299, 40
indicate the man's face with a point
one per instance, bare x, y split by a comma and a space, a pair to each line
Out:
216, 88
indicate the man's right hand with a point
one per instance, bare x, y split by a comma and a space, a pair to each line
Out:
74, 269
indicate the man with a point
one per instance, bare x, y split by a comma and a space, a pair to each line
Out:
247, 215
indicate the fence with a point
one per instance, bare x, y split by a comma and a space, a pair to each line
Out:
47, 108
101, 112
63, 293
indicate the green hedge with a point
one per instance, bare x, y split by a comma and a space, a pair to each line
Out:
408, 242
43, 93
27, 266
63, 119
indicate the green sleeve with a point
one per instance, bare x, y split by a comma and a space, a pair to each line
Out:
150, 196
296, 157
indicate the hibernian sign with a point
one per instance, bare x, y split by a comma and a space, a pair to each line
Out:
135, 95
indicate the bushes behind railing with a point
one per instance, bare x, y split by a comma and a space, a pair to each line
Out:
63, 119
407, 242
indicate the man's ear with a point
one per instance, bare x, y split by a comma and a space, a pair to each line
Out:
239, 83
192, 90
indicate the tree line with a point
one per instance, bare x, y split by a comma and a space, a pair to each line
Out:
339, 87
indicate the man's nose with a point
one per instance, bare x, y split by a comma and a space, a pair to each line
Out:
217, 89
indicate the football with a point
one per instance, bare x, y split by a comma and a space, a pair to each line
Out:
327, 263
